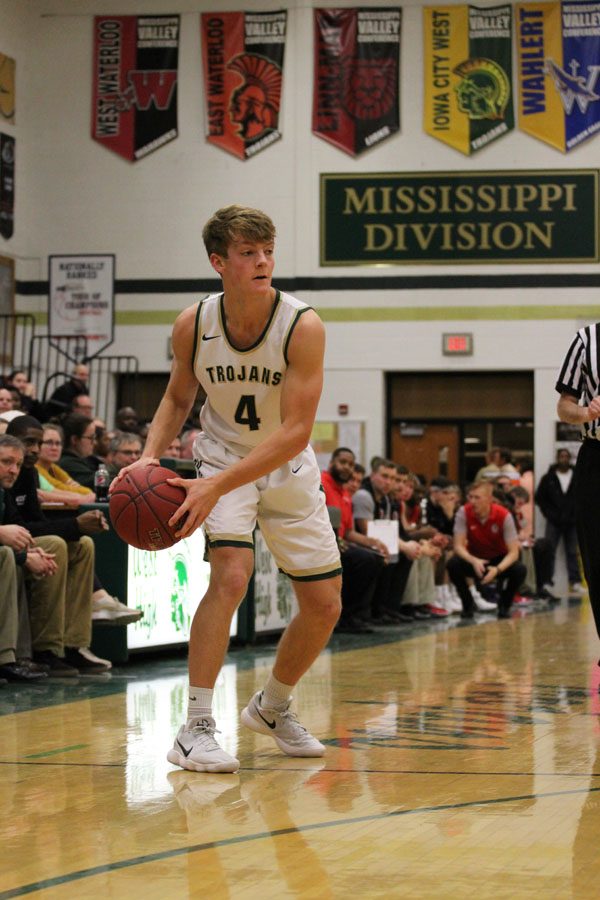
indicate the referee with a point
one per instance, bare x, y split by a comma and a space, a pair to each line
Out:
579, 386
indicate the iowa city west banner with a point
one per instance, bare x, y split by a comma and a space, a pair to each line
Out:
134, 95
559, 71
355, 92
468, 75
242, 56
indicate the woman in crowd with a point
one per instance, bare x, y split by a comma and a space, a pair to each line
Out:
56, 485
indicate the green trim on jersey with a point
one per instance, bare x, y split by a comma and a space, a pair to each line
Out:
196, 333
289, 333
261, 338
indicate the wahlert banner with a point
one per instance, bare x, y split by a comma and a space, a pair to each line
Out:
468, 75
243, 74
355, 93
134, 103
559, 69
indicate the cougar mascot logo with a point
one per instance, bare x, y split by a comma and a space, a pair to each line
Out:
254, 105
483, 91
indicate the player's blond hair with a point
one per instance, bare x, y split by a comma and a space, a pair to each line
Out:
234, 222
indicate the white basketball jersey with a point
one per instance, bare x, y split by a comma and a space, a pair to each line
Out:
243, 387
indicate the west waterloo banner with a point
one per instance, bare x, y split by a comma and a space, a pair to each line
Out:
134, 94
468, 75
242, 55
559, 71
356, 71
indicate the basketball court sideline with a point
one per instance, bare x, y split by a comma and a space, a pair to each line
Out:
462, 761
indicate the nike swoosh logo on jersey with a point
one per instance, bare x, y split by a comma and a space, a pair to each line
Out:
298, 469
266, 721
210, 337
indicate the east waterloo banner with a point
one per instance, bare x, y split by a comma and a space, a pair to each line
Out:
242, 55
356, 71
134, 93
559, 71
468, 75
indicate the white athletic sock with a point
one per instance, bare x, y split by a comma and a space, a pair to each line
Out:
275, 693
199, 703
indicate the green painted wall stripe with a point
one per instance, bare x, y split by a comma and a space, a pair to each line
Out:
391, 314
446, 313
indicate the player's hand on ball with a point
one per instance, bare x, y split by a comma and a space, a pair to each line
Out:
138, 464
201, 497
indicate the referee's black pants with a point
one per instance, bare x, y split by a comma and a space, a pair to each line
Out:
587, 518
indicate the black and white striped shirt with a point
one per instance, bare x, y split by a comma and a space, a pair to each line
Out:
579, 374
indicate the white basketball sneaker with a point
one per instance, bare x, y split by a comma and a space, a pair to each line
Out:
480, 602
196, 749
283, 726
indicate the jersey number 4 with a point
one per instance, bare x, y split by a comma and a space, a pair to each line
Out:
245, 413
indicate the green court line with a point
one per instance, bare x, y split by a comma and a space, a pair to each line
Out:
390, 314
70, 877
54, 752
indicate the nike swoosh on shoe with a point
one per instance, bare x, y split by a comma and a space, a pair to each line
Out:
266, 721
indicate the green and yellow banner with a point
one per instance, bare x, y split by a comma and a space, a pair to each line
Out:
468, 75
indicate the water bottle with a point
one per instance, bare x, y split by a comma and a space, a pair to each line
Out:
101, 483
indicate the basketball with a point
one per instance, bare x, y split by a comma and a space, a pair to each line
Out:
141, 505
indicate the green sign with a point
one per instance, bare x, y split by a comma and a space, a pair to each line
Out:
459, 217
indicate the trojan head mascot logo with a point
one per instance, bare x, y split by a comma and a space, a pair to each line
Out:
483, 91
254, 105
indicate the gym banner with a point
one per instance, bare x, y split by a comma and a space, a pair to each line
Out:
559, 71
7, 185
468, 75
134, 94
7, 89
81, 298
424, 218
356, 71
242, 56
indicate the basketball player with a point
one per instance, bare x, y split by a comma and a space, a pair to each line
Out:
579, 404
258, 355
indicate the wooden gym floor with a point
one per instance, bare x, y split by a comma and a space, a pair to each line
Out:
462, 762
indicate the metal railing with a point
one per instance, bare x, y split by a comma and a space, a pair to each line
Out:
52, 360
16, 334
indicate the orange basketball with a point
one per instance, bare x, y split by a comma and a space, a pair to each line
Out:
141, 505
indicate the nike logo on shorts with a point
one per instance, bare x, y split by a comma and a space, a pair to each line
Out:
210, 337
294, 471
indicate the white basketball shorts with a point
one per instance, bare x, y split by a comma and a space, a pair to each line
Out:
288, 505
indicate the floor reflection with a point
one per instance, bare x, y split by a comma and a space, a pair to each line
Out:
463, 760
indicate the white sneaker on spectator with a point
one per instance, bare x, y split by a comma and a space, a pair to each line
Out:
283, 726
110, 609
482, 604
452, 601
443, 597
578, 589
196, 749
